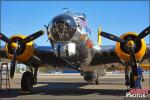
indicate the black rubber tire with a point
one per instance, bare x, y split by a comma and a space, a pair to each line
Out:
27, 81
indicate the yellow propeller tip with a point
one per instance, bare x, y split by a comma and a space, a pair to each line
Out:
99, 30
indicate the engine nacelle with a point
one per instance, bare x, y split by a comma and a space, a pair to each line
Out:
122, 49
24, 52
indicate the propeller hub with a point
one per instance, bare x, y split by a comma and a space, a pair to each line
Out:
14, 45
130, 43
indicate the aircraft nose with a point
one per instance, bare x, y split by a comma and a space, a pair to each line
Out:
63, 27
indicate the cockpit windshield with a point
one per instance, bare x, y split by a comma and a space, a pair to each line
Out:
63, 27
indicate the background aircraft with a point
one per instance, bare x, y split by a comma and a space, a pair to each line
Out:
72, 48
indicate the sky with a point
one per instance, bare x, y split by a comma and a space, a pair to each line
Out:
116, 17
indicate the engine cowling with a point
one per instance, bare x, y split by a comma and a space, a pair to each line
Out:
122, 49
24, 52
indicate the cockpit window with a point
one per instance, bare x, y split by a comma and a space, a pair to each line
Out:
63, 27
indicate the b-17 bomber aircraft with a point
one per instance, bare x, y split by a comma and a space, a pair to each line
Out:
71, 47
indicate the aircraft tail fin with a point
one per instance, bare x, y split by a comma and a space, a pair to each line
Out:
99, 40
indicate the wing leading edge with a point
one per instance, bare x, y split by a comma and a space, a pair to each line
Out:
107, 55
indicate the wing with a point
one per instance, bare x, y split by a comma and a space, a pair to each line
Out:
105, 55
47, 57
42, 56
108, 55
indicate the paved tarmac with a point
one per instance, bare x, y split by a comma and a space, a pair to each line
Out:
72, 87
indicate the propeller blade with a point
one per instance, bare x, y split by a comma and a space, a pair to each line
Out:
126, 74
133, 61
52, 43
51, 39
32, 37
144, 33
4, 38
13, 64
112, 37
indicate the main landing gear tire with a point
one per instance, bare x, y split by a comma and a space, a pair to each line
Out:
27, 82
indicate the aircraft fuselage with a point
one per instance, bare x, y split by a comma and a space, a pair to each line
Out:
69, 35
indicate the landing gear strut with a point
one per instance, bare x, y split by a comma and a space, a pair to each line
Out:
29, 79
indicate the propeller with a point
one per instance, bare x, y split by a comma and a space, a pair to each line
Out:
144, 33
133, 61
112, 37
13, 64
16, 47
49, 36
4, 38
130, 45
32, 37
